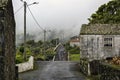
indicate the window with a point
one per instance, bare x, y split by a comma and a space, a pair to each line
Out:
107, 39
108, 42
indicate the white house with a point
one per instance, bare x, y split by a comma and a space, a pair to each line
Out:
75, 42
99, 41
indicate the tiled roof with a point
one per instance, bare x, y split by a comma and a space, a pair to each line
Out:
100, 29
75, 40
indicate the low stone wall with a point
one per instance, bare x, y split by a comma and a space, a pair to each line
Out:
96, 67
109, 72
26, 65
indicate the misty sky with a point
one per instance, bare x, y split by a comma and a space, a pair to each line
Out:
56, 14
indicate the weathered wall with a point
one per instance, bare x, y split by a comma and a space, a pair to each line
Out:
8, 41
92, 46
117, 45
26, 66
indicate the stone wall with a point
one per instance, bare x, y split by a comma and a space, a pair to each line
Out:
26, 65
108, 72
104, 70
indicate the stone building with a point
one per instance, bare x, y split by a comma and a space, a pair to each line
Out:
100, 41
7, 41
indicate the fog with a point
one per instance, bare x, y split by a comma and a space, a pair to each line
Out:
61, 17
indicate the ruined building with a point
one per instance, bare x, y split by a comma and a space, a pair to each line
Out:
100, 41
7, 41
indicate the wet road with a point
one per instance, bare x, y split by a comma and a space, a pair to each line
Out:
58, 70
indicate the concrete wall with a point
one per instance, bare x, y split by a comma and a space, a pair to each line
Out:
92, 46
26, 66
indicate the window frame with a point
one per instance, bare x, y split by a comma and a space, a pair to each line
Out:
108, 42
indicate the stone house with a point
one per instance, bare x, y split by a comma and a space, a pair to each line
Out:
100, 41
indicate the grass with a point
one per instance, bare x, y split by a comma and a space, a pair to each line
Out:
93, 77
74, 57
113, 66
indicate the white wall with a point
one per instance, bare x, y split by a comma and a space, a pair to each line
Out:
26, 65
72, 44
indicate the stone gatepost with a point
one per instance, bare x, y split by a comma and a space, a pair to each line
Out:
89, 72
7, 41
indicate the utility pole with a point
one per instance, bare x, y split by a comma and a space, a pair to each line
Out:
44, 40
25, 5
25, 10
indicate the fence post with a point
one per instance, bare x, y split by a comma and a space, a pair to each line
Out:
16, 72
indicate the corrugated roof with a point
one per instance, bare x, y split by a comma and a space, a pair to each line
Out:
100, 29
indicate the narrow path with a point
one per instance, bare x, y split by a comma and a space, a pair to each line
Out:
59, 70
61, 54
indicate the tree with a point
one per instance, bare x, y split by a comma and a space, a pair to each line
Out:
107, 13
7, 57
21, 49
30, 42
55, 41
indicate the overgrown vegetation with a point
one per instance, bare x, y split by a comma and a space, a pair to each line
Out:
36, 49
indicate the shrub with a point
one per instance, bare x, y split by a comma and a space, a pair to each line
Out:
19, 58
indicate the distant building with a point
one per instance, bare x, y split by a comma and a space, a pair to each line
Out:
99, 41
75, 41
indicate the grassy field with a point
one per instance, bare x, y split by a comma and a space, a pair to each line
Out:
74, 57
